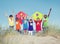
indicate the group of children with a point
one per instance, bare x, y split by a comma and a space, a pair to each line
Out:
40, 24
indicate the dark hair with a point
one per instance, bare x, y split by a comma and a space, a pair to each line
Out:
45, 15
10, 15
31, 19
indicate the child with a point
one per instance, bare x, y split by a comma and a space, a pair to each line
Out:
18, 25
11, 22
25, 25
38, 23
30, 27
45, 22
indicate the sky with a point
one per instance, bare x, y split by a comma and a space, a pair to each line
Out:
29, 7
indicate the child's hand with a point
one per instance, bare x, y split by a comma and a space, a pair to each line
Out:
16, 22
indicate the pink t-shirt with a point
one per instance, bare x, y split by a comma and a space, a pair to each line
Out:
38, 25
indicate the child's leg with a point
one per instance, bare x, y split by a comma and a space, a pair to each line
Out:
12, 27
36, 30
31, 32
44, 31
25, 31
18, 30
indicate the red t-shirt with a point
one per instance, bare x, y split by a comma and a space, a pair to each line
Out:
38, 25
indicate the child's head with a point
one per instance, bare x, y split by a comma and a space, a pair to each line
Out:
17, 19
45, 16
11, 16
38, 19
31, 20
25, 18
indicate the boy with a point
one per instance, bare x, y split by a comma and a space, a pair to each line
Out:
45, 22
11, 22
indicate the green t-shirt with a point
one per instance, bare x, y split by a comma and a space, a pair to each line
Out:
45, 22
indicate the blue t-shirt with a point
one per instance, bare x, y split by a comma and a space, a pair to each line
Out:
25, 24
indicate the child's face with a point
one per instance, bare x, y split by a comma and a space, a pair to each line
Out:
11, 17
45, 16
30, 20
38, 19
24, 17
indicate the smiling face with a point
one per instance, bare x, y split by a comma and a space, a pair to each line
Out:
30, 20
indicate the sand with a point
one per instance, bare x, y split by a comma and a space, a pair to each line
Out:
17, 38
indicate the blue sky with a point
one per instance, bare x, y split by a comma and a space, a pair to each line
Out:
29, 7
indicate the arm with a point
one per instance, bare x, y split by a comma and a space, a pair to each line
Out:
35, 21
49, 12
41, 20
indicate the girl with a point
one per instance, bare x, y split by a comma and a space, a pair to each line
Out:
18, 27
25, 25
30, 30
38, 23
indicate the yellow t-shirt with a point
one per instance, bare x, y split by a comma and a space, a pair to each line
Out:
11, 22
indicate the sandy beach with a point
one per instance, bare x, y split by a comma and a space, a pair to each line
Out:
17, 38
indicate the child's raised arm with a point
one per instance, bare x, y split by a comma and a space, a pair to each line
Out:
49, 12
